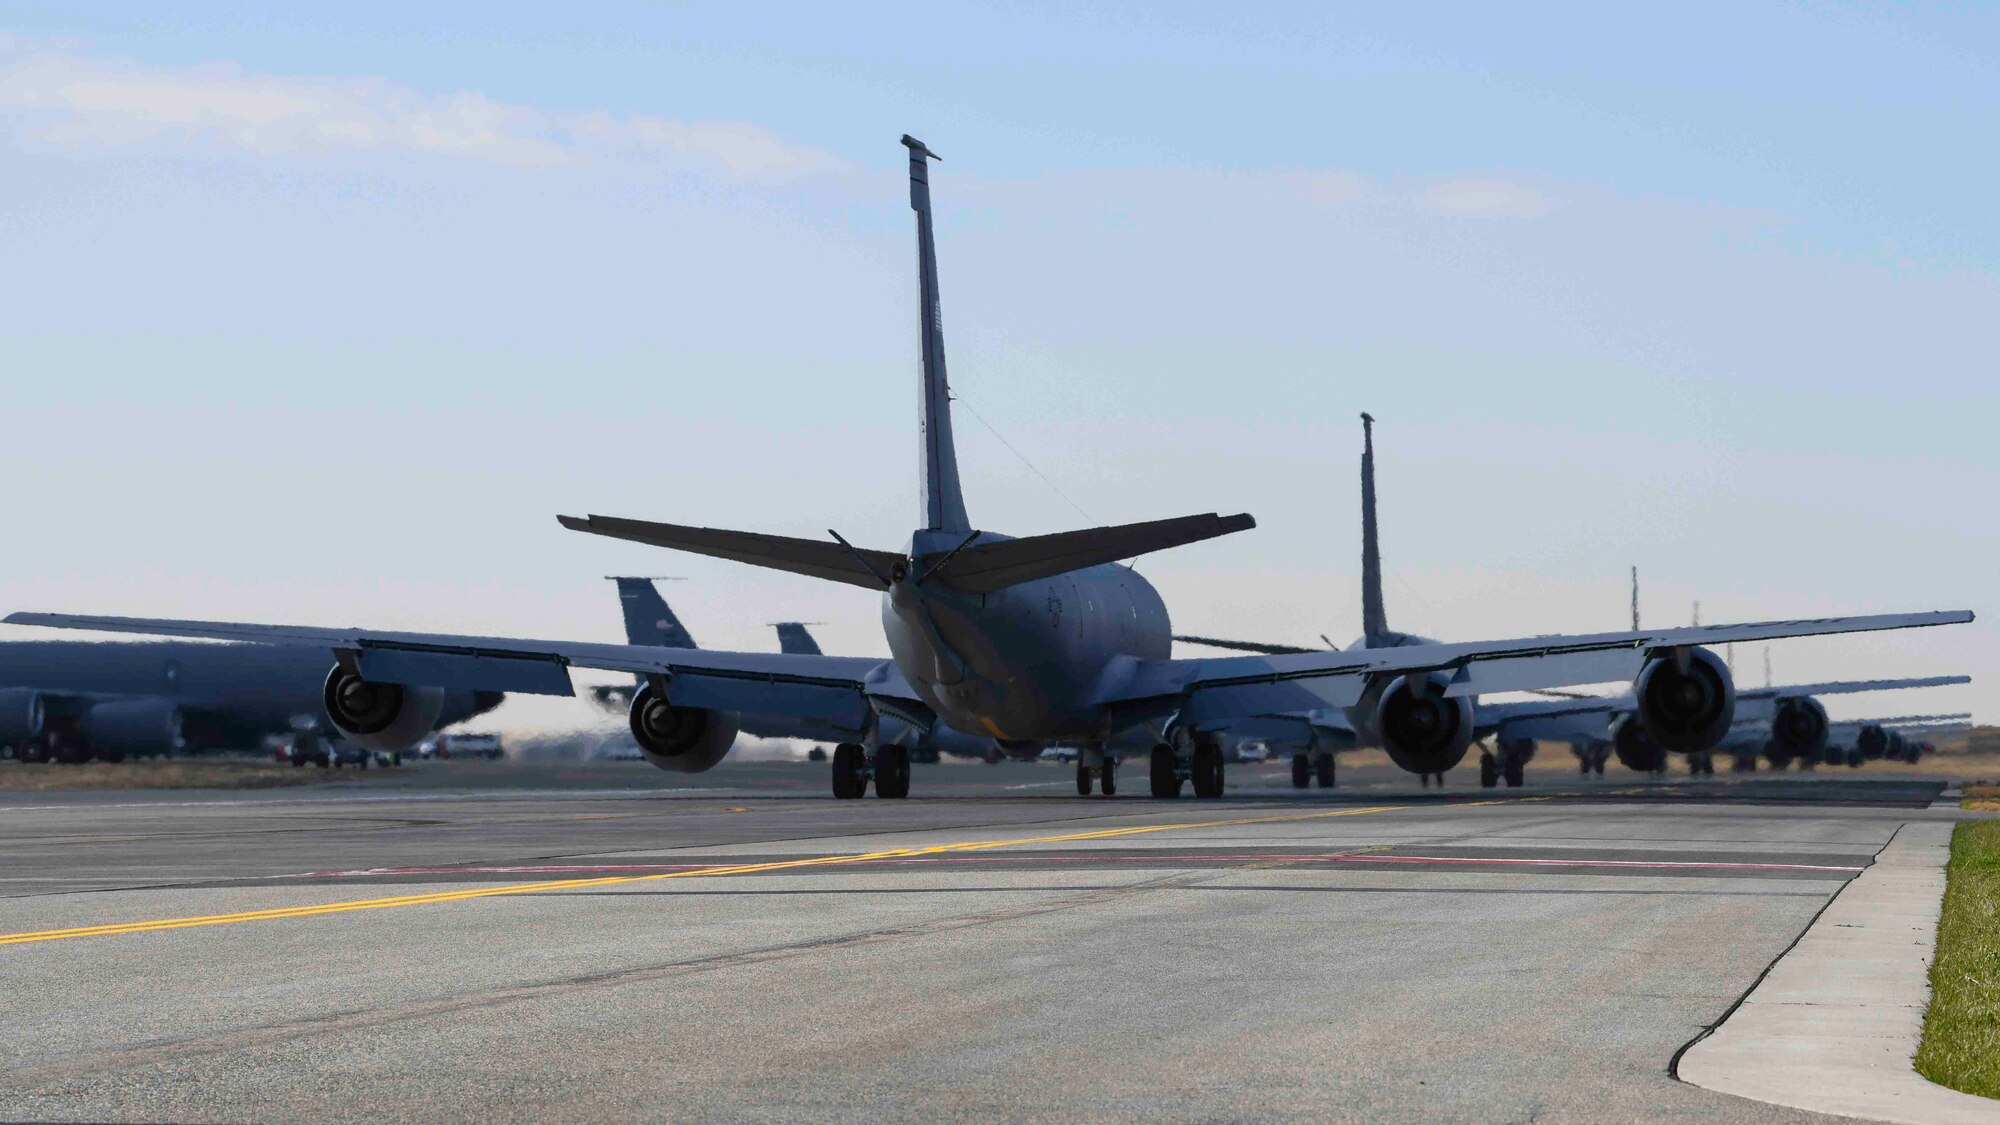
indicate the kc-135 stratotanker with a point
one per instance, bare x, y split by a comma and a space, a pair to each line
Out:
1027, 640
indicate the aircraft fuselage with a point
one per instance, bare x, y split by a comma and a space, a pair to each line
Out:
1020, 663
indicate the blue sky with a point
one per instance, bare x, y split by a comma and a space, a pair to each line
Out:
321, 315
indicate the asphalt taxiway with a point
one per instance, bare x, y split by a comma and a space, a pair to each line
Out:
578, 947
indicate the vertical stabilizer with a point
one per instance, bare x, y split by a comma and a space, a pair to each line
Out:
1374, 619
648, 621
794, 638
944, 505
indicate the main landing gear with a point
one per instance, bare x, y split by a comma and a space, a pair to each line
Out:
852, 771
1202, 768
1307, 767
1105, 774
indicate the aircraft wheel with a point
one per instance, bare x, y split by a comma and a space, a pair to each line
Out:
1082, 779
1107, 777
1165, 777
1301, 771
892, 772
1489, 772
396, 759
848, 780
1207, 771
1326, 771
35, 751
1512, 774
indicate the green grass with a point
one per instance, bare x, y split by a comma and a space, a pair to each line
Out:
1961, 1046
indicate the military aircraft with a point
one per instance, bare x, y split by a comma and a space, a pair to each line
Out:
1032, 640
75, 701
650, 621
1596, 727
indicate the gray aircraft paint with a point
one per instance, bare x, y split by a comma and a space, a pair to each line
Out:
229, 695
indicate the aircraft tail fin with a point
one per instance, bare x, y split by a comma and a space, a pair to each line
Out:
1374, 618
1008, 562
835, 562
795, 638
944, 504
648, 620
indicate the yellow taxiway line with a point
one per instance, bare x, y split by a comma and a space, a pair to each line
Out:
115, 928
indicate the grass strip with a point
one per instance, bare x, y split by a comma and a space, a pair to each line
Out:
1961, 1046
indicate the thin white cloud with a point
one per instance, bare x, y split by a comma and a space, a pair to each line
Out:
1486, 197
83, 102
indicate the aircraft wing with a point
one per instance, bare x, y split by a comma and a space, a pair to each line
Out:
1846, 687
1207, 691
832, 689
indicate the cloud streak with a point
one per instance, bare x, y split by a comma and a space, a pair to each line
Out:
1496, 198
82, 102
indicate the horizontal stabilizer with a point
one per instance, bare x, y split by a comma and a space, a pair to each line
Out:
1245, 646
1010, 562
810, 557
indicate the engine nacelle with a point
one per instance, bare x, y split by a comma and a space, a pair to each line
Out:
132, 727
1871, 742
21, 715
1636, 749
1422, 729
1686, 709
1798, 730
390, 718
681, 739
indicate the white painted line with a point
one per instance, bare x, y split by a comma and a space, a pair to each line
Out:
1834, 1024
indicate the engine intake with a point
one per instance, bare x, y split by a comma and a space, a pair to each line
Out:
680, 739
132, 727
21, 715
1686, 705
390, 718
1423, 730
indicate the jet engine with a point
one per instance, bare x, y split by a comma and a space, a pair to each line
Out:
1871, 742
1686, 705
1422, 729
20, 715
1798, 730
132, 727
681, 739
390, 718
1636, 749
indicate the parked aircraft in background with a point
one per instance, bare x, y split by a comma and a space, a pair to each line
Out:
1033, 640
78, 701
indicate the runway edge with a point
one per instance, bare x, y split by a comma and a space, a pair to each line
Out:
1835, 1023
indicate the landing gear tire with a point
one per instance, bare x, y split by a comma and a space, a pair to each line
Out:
1207, 770
1082, 779
850, 779
33, 752
892, 772
1164, 774
1489, 772
1107, 777
1325, 771
1511, 772
1301, 771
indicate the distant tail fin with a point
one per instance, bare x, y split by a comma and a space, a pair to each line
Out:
1635, 599
1374, 618
944, 504
793, 638
648, 621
